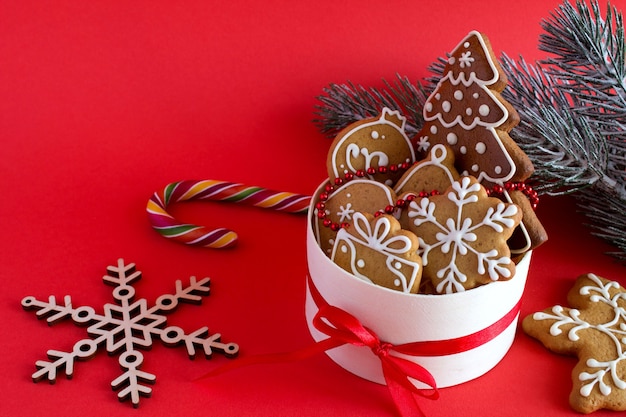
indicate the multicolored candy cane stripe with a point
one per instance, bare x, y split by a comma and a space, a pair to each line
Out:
216, 238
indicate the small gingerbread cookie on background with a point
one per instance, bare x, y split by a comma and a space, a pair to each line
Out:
594, 330
376, 249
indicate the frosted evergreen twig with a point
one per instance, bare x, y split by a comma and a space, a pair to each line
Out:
572, 107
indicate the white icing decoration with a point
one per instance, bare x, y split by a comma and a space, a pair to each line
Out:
452, 138
379, 239
423, 144
451, 60
463, 150
480, 147
438, 154
475, 168
466, 59
466, 44
458, 94
456, 235
385, 190
331, 243
433, 129
613, 330
428, 107
498, 169
468, 111
345, 213
374, 134
446, 106
472, 76
354, 151
484, 110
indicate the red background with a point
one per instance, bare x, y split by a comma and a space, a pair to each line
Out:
104, 102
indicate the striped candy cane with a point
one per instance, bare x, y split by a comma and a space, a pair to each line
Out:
213, 190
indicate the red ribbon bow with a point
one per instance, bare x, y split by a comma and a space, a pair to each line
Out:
343, 328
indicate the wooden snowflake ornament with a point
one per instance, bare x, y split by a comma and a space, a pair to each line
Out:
594, 330
125, 327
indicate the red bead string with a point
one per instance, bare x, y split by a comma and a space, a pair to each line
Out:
496, 190
528, 191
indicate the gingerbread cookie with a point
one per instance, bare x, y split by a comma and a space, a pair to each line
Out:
357, 195
594, 330
462, 236
467, 113
531, 232
434, 173
376, 249
369, 144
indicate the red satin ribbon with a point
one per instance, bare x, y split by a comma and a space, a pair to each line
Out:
343, 328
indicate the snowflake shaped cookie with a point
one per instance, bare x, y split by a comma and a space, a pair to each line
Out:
594, 330
462, 236
125, 327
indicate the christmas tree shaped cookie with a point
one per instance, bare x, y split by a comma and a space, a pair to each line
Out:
594, 330
467, 113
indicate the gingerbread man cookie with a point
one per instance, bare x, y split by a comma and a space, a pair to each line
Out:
594, 330
467, 113
463, 236
369, 144
377, 250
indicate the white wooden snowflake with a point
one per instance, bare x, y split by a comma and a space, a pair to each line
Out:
462, 236
124, 327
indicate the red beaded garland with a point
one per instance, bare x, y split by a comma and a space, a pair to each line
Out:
497, 189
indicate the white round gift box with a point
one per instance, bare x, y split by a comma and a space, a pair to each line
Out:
399, 318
